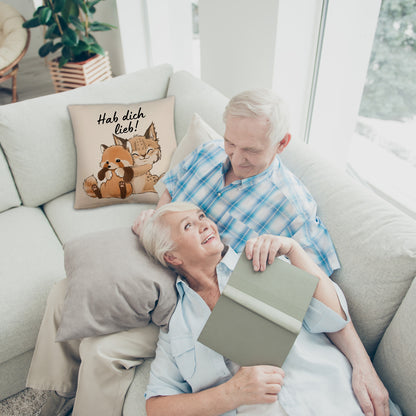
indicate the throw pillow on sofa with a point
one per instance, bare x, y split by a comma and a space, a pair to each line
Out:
122, 151
113, 286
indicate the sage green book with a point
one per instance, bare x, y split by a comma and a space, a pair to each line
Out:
259, 314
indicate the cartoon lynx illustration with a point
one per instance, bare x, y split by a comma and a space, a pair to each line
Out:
146, 152
115, 175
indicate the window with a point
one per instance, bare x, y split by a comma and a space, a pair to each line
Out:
383, 147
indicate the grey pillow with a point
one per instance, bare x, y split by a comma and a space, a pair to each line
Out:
113, 285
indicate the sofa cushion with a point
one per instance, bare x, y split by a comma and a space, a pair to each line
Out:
37, 138
31, 260
9, 196
129, 144
113, 286
374, 241
69, 223
195, 96
134, 404
394, 359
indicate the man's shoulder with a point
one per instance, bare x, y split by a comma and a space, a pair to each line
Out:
212, 146
288, 183
211, 150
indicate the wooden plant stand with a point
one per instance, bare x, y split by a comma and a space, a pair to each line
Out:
78, 74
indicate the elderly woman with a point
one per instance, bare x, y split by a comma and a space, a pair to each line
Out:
188, 378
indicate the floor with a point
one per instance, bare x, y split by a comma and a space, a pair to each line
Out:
33, 80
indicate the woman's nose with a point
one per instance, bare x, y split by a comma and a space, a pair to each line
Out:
203, 225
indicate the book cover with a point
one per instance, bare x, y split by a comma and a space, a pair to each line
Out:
259, 314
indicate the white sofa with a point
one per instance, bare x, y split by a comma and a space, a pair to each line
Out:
376, 244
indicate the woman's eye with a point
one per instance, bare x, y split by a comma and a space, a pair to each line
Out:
202, 216
187, 226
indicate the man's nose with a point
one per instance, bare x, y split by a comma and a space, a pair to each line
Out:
237, 156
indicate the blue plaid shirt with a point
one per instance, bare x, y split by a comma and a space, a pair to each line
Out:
272, 202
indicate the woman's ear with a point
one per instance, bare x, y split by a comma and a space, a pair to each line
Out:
283, 143
171, 259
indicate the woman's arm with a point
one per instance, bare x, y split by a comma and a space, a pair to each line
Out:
250, 385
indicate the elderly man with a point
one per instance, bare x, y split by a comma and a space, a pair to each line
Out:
315, 377
242, 185
246, 190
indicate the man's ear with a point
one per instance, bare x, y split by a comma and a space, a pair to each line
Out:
172, 259
283, 143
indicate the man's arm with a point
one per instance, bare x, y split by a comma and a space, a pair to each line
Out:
368, 388
264, 249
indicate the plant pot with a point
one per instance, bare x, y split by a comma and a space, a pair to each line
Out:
78, 74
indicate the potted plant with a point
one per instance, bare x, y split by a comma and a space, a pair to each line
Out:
68, 29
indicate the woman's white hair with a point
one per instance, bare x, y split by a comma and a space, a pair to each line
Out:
262, 104
156, 235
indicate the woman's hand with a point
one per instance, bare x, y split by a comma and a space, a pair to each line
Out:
141, 219
255, 385
264, 249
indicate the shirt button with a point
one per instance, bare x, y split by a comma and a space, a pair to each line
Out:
219, 194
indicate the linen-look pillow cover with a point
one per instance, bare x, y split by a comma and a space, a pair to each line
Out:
113, 286
122, 151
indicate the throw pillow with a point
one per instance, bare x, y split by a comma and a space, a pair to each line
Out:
198, 133
113, 286
122, 151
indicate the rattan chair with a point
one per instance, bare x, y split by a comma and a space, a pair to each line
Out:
14, 42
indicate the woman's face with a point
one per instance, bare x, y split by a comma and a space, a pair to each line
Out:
195, 236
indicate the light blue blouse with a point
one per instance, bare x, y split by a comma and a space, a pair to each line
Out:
317, 375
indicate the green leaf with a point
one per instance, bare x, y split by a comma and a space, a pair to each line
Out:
45, 49
70, 9
44, 15
100, 27
77, 23
52, 32
82, 6
70, 37
34, 22
57, 46
58, 5
66, 52
62, 61
96, 48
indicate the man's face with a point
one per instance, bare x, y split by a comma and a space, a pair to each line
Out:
249, 149
195, 236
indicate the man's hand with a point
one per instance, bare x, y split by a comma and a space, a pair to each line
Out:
264, 249
370, 392
255, 385
141, 219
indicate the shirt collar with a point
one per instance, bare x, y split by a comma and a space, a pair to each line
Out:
224, 269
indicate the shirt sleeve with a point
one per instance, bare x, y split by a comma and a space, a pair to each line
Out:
319, 318
165, 378
315, 240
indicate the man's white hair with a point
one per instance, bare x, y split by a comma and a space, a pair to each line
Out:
261, 104
156, 235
